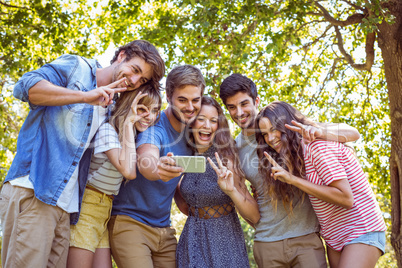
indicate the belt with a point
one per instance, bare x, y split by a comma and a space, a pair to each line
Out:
212, 211
99, 191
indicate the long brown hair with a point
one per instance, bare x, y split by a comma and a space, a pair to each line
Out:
290, 156
223, 141
123, 105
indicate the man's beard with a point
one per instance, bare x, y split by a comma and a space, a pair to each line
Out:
181, 120
249, 124
116, 73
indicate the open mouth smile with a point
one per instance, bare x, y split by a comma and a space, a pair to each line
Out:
205, 135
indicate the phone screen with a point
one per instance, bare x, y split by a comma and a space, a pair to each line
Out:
191, 164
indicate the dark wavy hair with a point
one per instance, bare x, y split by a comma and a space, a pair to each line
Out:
290, 156
223, 141
236, 83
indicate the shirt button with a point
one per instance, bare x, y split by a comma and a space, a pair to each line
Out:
65, 181
74, 163
81, 145
89, 124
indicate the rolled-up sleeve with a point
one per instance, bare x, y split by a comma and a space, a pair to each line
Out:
23, 85
57, 72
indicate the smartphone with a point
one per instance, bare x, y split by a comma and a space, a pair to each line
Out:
191, 164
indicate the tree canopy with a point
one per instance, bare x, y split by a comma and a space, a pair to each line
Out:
321, 56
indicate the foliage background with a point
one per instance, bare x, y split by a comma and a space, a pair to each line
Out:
290, 52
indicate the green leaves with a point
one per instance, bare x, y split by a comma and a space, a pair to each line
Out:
288, 48
31, 34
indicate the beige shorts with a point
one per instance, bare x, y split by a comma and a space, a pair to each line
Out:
91, 230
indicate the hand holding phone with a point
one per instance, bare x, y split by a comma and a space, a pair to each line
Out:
190, 164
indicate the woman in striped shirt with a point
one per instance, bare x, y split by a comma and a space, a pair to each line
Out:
114, 158
350, 218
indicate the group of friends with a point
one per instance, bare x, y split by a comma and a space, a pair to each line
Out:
94, 176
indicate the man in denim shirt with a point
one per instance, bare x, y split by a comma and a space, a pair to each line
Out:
47, 178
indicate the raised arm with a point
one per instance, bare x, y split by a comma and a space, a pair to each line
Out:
245, 203
340, 132
125, 159
153, 167
47, 86
45, 93
230, 184
325, 131
337, 191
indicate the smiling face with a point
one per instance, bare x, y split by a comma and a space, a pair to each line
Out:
147, 121
185, 103
136, 70
204, 127
271, 135
242, 109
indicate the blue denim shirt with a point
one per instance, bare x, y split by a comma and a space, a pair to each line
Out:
52, 139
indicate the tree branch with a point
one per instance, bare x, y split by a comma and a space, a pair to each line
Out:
314, 14
353, 5
352, 19
370, 39
329, 75
251, 27
8, 5
318, 38
307, 23
348, 58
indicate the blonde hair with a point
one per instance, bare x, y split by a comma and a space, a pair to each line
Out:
123, 105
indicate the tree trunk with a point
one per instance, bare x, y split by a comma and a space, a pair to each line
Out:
390, 42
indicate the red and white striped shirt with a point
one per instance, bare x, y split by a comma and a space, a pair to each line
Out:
329, 161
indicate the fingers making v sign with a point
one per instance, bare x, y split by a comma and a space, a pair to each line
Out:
103, 95
243, 201
279, 173
225, 176
309, 133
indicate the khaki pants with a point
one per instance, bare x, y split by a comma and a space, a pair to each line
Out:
305, 251
34, 234
135, 244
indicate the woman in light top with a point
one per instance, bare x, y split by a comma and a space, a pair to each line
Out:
350, 218
114, 158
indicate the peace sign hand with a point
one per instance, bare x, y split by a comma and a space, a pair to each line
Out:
309, 133
103, 96
137, 111
278, 173
225, 176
